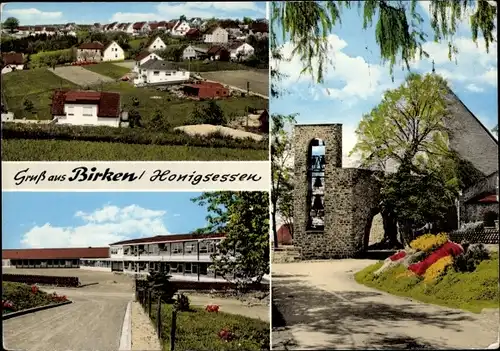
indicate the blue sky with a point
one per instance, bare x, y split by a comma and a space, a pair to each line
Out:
354, 85
107, 12
31, 219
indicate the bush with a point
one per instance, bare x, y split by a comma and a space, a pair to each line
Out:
42, 279
182, 303
429, 242
46, 58
468, 261
19, 296
438, 269
123, 135
209, 114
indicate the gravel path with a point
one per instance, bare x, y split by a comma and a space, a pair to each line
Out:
206, 129
92, 322
80, 75
144, 336
318, 305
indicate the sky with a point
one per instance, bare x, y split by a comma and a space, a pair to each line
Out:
82, 219
356, 82
106, 12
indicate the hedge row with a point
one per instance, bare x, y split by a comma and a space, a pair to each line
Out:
42, 279
125, 136
204, 286
46, 58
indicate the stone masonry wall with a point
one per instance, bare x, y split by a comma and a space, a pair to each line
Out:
351, 198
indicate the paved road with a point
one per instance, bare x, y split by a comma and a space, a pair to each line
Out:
318, 305
92, 322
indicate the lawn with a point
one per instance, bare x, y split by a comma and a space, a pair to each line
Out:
59, 150
198, 329
210, 66
177, 111
469, 291
108, 69
18, 297
35, 85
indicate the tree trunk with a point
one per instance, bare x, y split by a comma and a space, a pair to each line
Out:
273, 223
390, 230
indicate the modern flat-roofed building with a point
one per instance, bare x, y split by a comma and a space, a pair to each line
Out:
184, 256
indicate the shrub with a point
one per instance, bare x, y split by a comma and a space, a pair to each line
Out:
209, 114
438, 269
468, 261
42, 279
429, 242
182, 303
123, 135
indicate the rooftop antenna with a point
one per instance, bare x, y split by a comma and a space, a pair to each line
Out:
433, 69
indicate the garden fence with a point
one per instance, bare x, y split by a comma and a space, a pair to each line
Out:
475, 235
152, 305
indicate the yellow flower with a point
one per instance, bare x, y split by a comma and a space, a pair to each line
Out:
429, 242
438, 268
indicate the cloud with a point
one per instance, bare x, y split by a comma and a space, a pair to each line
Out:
100, 228
33, 16
474, 88
349, 80
168, 11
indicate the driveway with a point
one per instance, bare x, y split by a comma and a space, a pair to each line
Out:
80, 75
92, 322
318, 305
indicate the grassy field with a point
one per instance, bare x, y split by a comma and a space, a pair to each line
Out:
198, 329
59, 150
35, 85
108, 69
211, 66
469, 291
177, 111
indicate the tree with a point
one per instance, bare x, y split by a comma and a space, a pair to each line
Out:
11, 24
182, 18
408, 128
281, 153
247, 20
398, 31
209, 114
28, 105
244, 218
158, 122
134, 118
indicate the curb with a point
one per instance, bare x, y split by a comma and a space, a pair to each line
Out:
34, 309
126, 335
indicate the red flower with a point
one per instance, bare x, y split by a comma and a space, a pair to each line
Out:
226, 335
34, 289
212, 308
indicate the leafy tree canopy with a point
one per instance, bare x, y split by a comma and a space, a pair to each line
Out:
11, 23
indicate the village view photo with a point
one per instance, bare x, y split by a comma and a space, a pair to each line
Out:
180, 82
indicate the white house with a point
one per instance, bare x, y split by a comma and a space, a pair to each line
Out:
144, 57
130, 28
87, 108
113, 52
240, 51
13, 61
90, 52
189, 53
140, 28
181, 28
156, 44
216, 35
159, 72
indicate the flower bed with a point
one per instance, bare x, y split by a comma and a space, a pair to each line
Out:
18, 297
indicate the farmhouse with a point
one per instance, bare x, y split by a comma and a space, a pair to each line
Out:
218, 53
162, 25
51, 258
159, 72
140, 28
193, 53
156, 44
87, 108
144, 57
181, 28
240, 51
13, 61
206, 90
96, 52
259, 29
216, 35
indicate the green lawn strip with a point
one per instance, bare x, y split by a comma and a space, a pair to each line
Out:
211, 66
22, 297
59, 150
198, 330
36, 85
108, 69
468, 291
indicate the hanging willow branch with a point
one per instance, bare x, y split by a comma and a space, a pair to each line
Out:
398, 30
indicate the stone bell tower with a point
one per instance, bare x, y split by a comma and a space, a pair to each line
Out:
333, 206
